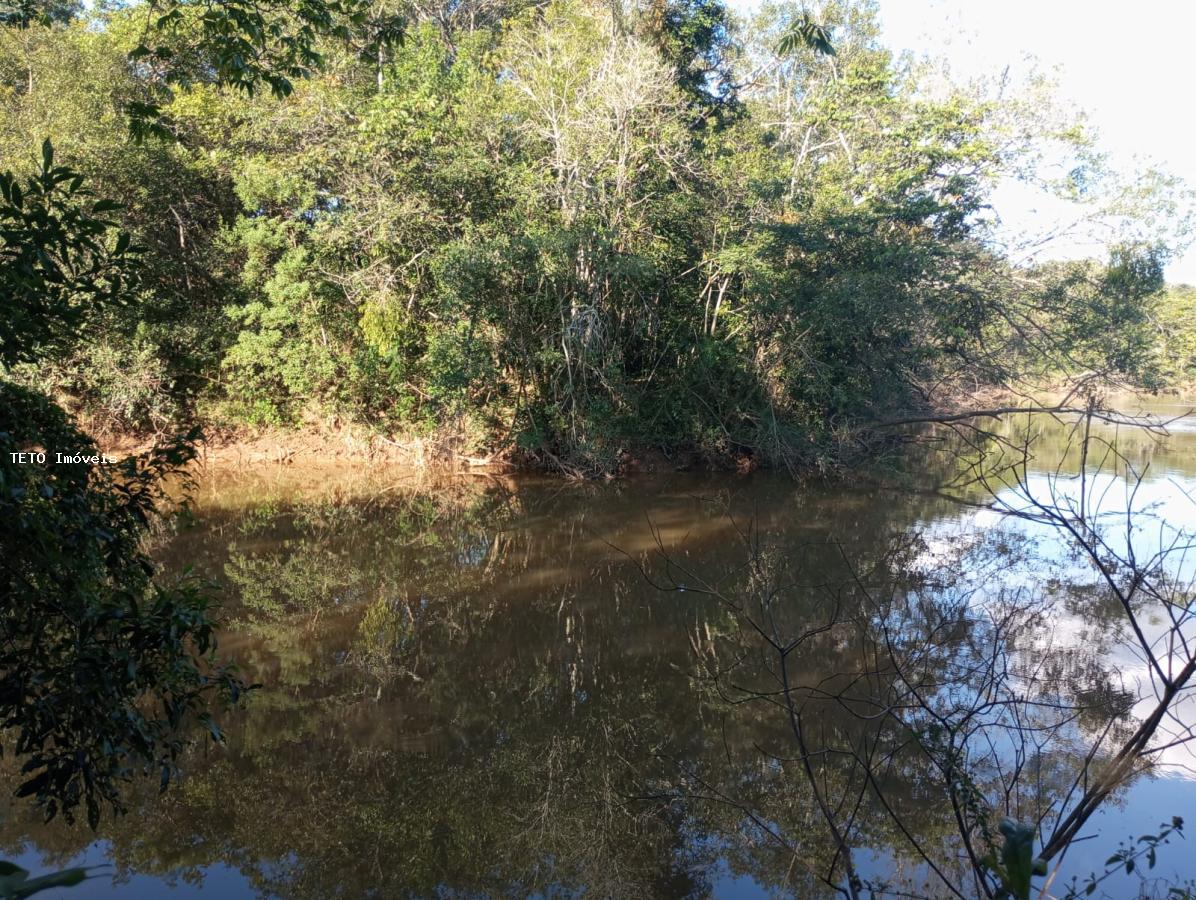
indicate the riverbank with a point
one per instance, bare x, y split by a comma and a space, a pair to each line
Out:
234, 449
231, 448
241, 447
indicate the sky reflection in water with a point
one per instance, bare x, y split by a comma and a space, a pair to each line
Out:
463, 684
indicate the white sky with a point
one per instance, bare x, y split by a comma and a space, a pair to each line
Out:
1130, 65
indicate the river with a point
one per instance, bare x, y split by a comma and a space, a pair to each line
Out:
512, 685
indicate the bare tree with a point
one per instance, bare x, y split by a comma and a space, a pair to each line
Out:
966, 684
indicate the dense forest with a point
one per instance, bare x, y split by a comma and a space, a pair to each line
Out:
563, 232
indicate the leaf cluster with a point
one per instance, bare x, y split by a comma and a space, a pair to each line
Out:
56, 259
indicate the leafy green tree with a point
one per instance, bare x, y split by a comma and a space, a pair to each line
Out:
103, 667
147, 361
1174, 321
57, 268
245, 45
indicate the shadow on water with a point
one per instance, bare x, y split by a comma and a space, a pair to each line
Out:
473, 688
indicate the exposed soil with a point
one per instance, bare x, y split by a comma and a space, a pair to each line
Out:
242, 449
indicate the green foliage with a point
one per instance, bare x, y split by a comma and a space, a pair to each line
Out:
24, 13
171, 330
694, 36
119, 383
574, 232
283, 354
245, 45
1175, 334
1103, 313
1128, 860
101, 667
56, 263
805, 32
1016, 864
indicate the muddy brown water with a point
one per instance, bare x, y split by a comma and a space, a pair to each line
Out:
492, 685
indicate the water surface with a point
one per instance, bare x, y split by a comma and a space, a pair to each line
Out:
493, 685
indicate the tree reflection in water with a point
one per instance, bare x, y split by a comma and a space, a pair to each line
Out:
479, 688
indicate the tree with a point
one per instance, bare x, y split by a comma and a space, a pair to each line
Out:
57, 268
247, 45
102, 668
948, 679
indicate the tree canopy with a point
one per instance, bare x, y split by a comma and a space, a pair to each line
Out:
562, 232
